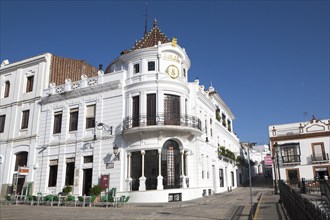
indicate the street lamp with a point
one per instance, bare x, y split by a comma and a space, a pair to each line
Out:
103, 127
115, 151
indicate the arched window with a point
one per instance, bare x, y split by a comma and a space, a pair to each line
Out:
171, 165
21, 160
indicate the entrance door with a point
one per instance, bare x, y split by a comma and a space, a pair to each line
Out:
293, 176
87, 181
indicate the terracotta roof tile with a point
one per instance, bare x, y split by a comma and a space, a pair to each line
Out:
66, 68
151, 38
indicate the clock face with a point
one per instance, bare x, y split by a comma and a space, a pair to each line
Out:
172, 71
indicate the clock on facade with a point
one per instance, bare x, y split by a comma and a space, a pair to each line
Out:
172, 71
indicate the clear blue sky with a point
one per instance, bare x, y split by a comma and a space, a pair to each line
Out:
269, 60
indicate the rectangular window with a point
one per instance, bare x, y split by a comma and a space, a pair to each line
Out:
25, 119
229, 125
7, 89
224, 120
290, 152
151, 66
221, 178
136, 111
88, 159
57, 122
90, 116
2, 123
318, 152
151, 109
73, 124
136, 68
29, 83
172, 109
53, 166
69, 175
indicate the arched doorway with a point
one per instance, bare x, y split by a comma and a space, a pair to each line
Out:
171, 165
18, 180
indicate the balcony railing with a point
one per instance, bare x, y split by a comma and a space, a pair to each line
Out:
291, 159
144, 120
320, 158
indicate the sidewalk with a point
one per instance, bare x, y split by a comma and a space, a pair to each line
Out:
270, 208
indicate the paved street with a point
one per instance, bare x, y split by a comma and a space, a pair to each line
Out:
233, 205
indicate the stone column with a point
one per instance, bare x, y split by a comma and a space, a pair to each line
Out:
129, 179
160, 178
186, 168
142, 179
182, 177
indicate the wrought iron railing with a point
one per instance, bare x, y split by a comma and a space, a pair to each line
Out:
144, 120
299, 207
325, 190
320, 157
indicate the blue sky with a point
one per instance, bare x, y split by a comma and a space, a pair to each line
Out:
269, 60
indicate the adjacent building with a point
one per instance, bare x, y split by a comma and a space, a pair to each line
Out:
22, 85
301, 150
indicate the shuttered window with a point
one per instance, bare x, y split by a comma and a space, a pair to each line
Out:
136, 111
29, 83
151, 109
73, 124
172, 110
57, 122
25, 119
90, 116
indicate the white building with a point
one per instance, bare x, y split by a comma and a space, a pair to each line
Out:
167, 130
303, 149
22, 84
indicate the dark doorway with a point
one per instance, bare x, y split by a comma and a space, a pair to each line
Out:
151, 168
20, 183
136, 169
171, 165
87, 181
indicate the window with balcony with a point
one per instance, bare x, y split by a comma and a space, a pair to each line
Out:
136, 111
136, 68
25, 119
290, 153
151, 109
7, 89
171, 110
29, 83
90, 116
73, 124
151, 66
2, 123
319, 152
57, 122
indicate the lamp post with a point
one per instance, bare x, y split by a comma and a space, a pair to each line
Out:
250, 180
276, 150
276, 145
275, 181
116, 151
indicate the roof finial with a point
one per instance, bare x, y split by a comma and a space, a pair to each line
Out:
155, 22
146, 19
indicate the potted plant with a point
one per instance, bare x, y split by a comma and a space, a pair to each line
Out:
96, 191
67, 190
